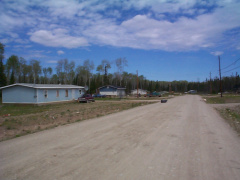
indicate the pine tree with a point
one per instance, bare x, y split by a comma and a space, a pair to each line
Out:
3, 79
12, 78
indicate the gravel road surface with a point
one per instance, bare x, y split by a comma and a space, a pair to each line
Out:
182, 139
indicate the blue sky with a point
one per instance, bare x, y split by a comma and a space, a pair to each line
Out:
164, 40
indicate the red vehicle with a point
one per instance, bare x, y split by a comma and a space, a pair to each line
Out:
86, 98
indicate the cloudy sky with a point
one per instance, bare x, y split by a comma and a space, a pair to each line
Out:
162, 39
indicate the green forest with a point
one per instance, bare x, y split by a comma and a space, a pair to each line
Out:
18, 70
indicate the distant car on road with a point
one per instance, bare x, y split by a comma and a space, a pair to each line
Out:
86, 98
99, 96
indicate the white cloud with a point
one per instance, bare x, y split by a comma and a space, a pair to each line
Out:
57, 38
72, 24
163, 6
184, 34
60, 52
217, 53
5, 40
9, 22
21, 41
22, 46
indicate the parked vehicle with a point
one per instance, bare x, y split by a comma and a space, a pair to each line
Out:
86, 98
153, 94
99, 96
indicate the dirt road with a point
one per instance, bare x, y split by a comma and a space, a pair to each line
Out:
182, 139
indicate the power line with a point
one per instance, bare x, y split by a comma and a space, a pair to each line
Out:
231, 64
231, 69
215, 71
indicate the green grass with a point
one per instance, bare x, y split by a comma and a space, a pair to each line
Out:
223, 100
129, 98
232, 116
108, 99
233, 113
11, 123
17, 110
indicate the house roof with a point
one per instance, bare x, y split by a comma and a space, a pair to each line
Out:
115, 87
44, 86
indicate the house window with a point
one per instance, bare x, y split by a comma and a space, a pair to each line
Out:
66, 93
57, 93
45, 93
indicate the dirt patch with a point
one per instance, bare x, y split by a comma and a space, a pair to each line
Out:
51, 116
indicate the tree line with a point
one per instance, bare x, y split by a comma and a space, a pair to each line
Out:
18, 70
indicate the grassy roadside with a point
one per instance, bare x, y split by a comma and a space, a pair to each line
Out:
134, 98
230, 113
17, 110
232, 116
18, 120
222, 100
109, 99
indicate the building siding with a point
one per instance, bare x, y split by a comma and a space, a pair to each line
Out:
29, 95
110, 91
121, 92
19, 94
73, 94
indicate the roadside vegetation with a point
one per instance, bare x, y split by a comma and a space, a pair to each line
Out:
230, 113
142, 98
222, 100
18, 120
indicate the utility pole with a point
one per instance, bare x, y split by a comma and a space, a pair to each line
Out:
137, 83
210, 83
220, 75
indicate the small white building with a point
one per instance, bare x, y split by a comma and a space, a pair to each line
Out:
140, 91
